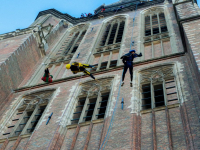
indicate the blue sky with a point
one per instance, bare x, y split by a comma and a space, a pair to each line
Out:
19, 14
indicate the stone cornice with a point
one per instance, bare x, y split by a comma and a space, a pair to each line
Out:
109, 10
18, 32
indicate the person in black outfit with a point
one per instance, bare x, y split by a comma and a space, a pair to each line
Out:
127, 59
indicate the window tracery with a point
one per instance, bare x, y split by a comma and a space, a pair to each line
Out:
107, 50
29, 113
92, 101
158, 87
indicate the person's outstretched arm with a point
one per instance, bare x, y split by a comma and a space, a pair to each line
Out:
87, 66
138, 55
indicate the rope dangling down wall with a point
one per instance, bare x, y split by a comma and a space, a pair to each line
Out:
60, 118
112, 118
64, 112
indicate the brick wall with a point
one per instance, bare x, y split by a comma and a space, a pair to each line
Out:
18, 65
186, 10
176, 127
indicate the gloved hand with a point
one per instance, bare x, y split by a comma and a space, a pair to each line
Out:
140, 54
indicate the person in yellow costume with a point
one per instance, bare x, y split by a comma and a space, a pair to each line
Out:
79, 67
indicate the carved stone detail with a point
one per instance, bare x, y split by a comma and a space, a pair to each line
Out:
156, 74
18, 32
41, 33
93, 88
31, 100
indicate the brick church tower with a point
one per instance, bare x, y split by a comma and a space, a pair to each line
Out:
74, 112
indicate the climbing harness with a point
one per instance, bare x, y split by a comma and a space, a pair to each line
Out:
116, 103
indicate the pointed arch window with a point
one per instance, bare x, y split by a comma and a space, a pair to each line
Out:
107, 49
158, 87
29, 113
113, 32
71, 43
74, 42
155, 34
155, 23
92, 102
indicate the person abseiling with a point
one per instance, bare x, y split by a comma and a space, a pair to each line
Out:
47, 77
79, 67
127, 59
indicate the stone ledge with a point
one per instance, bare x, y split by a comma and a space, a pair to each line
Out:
99, 72
14, 138
159, 108
85, 123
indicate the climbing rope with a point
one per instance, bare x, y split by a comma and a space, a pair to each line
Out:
111, 121
112, 118
65, 111
132, 42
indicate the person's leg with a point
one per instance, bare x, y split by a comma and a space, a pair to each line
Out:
124, 72
131, 74
46, 71
88, 73
123, 75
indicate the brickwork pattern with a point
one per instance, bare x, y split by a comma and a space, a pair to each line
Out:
192, 34
161, 130
95, 136
51, 20
186, 10
146, 133
22, 144
10, 145
17, 67
178, 138
137, 131
68, 139
80, 141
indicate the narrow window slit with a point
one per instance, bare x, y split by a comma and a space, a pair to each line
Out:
120, 32
103, 105
78, 110
159, 95
146, 96
90, 109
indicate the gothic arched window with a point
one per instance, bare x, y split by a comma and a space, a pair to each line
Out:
92, 101
155, 33
158, 87
29, 113
113, 32
71, 43
155, 23
109, 42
